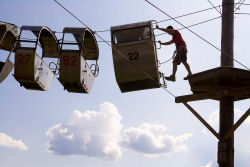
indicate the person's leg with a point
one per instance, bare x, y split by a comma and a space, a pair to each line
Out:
187, 67
174, 68
172, 76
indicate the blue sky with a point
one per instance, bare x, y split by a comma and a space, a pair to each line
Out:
106, 127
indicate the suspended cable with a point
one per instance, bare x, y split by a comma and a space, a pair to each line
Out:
188, 14
169, 92
194, 25
85, 41
123, 56
196, 34
200, 23
240, 3
214, 6
103, 41
71, 14
170, 18
103, 31
246, 4
243, 13
176, 17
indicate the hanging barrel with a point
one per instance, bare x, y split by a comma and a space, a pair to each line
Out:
75, 74
135, 56
30, 69
8, 35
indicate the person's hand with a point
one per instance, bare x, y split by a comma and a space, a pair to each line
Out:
157, 26
159, 42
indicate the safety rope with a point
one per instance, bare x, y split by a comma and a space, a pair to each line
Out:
168, 59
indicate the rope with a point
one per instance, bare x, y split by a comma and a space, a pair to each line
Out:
71, 14
246, 4
168, 91
193, 25
199, 11
123, 56
188, 14
214, 6
103, 31
166, 61
240, 3
201, 22
243, 13
169, 59
196, 34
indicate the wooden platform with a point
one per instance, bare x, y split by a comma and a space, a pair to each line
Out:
218, 83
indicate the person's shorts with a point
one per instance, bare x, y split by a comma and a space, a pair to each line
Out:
181, 54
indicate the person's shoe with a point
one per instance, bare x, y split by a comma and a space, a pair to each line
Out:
170, 78
187, 77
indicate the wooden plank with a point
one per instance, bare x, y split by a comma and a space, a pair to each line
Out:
219, 74
209, 88
195, 97
237, 92
205, 75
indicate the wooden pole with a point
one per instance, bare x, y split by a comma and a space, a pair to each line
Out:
226, 148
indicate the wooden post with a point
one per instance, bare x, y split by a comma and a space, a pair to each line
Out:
226, 148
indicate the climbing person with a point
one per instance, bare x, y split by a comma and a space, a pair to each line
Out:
181, 55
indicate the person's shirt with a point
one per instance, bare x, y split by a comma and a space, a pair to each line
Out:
177, 38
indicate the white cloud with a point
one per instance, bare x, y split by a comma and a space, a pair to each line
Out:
101, 134
91, 133
7, 141
242, 144
210, 164
213, 118
153, 140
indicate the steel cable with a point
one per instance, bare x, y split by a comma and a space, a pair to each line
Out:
116, 50
196, 34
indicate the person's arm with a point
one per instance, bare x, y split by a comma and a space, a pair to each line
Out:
166, 43
162, 29
170, 31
